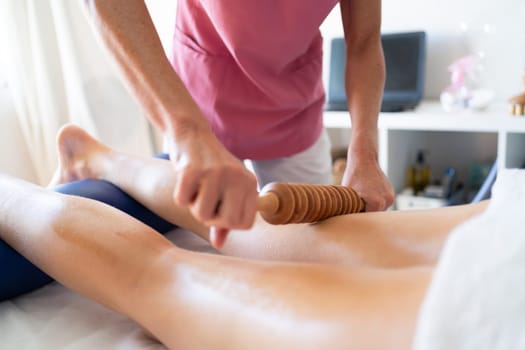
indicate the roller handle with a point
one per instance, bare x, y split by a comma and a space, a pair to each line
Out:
285, 203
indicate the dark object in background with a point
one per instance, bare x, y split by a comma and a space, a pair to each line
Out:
485, 190
447, 182
405, 69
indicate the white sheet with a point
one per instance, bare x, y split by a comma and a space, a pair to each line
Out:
477, 296
55, 318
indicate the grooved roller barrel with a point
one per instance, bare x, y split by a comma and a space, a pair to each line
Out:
286, 203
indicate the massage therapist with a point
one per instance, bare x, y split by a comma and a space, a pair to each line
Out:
244, 82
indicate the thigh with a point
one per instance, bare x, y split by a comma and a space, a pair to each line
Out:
314, 165
321, 305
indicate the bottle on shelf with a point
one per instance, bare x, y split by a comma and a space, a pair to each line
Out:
418, 174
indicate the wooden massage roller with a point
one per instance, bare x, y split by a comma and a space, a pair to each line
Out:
285, 203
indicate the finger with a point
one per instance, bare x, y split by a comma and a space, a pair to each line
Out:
248, 204
218, 237
248, 210
238, 206
186, 187
375, 204
208, 199
229, 213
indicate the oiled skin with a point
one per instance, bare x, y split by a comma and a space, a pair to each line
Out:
350, 282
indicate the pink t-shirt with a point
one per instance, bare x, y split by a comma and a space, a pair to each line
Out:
254, 69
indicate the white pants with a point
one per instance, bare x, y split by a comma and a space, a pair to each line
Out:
313, 165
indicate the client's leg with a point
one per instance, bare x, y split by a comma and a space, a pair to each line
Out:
20, 276
377, 239
65, 237
196, 301
110, 194
148, 180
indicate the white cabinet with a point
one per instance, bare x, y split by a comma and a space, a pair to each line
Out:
450, 139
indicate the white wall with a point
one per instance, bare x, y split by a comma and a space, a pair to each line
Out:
442, 19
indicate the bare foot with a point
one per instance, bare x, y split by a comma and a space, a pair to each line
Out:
79, 154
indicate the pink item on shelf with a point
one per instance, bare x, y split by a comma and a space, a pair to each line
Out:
458, 94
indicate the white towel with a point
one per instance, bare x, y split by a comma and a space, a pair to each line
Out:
477, 296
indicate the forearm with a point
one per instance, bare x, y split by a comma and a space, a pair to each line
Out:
365, 77
128, 32
365, 71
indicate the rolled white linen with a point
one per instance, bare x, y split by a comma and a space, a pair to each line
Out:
476, 299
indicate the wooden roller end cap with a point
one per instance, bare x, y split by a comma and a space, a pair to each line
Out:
275, 203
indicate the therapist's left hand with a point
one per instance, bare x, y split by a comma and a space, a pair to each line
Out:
363, 174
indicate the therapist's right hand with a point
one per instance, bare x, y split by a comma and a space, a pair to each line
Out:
216, 187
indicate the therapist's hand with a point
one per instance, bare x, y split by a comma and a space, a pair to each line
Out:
212, 183
215, 186
364, 175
